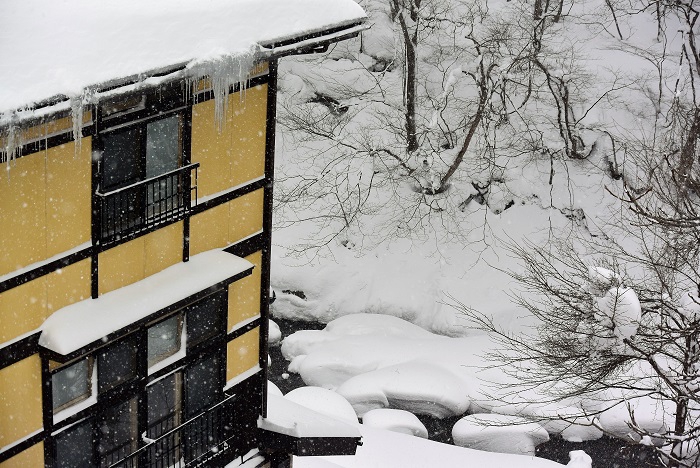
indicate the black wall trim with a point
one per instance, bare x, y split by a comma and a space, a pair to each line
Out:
45, 143
228, 196
248, 246
238, 332
22, 446
267, 228
19, 350
45, 269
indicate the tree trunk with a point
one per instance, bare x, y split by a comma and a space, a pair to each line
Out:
410, 42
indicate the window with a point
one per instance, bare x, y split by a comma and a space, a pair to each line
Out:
74, 447
205, 319
116, 365
71, 384
117, 430
144, 179
164, 339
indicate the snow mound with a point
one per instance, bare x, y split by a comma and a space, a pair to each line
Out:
274, 334
273, 389
323, 401
418, 387
499, 433
579, 459
395, 420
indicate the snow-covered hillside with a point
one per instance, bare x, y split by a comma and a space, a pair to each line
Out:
364, 226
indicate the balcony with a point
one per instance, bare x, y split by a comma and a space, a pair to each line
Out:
142, 205
209, 436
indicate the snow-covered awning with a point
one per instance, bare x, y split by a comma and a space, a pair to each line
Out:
50, 50
79, 325
299, 430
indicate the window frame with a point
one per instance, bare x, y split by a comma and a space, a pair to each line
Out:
58, 369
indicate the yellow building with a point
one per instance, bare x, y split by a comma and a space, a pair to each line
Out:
135, 221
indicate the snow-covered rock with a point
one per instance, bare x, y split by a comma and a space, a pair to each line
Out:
274, 336
418, 387
499, 433
579, 459
395, 420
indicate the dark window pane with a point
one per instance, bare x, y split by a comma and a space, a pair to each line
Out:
71, 384
163, 399
203, 385
118, 432
121, 163
164, 339
204, 318
116, 365
162, 146
74, 447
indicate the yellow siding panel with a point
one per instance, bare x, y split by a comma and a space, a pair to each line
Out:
246, 215
68, 285
22, 309
33, 456
209, 230
23, 213
211, 149
121, 266
68, 180
247, 127
163, 248
20, 400
242, 353
244, 294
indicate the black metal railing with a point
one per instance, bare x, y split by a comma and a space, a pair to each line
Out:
195, 443
147, 203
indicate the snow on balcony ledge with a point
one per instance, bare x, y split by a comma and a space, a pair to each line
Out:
291, 419
78, 325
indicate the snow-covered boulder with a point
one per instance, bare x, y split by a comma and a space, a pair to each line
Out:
323, 401
395, 420
499, 433
579, 459
274, 334
415, 386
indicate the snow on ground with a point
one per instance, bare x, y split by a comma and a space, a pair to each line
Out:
387, 449
499, 433
395, 420
378, 361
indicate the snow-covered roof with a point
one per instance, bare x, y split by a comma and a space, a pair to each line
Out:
48, 49
77, 325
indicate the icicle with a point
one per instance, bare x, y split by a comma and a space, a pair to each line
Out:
224, 72
13, 144
77, 105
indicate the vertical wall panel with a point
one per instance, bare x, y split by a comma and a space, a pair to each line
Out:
23, 212
121, 266
163, 248
68, 285
32, 457
242, 353
22, 309
67, 196
20, 400
209, 230
244, 294
248, 121
246, 215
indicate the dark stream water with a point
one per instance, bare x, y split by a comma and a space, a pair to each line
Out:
606, 452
